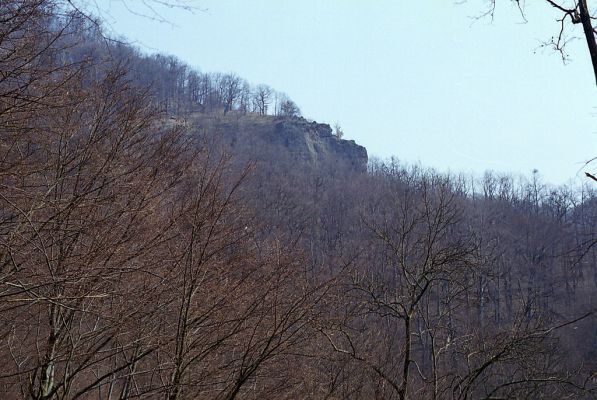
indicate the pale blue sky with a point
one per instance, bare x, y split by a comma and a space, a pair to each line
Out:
421, 81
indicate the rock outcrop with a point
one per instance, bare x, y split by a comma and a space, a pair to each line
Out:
282, 140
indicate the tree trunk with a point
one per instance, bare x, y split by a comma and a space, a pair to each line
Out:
585, 19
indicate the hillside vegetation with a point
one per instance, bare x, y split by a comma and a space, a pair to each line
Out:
159, 240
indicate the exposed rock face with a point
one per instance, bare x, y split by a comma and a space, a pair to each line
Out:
283, 140
316, 144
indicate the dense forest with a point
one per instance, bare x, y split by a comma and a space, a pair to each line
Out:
141, 259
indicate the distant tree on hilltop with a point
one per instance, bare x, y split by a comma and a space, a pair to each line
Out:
288, 108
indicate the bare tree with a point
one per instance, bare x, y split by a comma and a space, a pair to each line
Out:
422, 252
73, 230
230, 87
288, 108
572, 13
261, 99
338, 131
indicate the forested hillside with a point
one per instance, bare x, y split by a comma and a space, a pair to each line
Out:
166, 233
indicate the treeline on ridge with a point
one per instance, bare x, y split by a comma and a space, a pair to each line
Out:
176, 87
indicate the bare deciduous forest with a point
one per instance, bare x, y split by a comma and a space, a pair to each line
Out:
140, 259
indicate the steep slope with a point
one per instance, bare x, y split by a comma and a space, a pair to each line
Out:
282, 141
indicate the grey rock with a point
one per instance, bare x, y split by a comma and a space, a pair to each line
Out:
293, 141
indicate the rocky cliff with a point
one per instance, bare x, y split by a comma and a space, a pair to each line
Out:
281, 140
